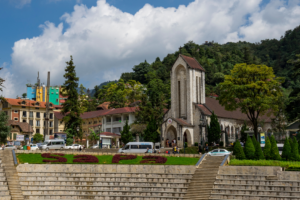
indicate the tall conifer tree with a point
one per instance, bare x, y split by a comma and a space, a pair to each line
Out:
294, 150
71, 107
126, 135
286, 152
274, 149
214, 131
150, 133
267, 149
249, 149
4, 128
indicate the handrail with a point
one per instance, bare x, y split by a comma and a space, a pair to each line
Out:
15, 157
200, 160
225, 159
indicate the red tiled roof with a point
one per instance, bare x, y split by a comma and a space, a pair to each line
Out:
192, 62
110, 134
219, 110
31, 103
104, 105
25, 127
122, 110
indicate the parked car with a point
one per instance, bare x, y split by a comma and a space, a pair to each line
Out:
219, 152
74, 146
52, 144
34, 147
11, 147
138, 147
95, 146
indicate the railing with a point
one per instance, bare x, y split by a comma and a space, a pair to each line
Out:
201, 159
15, 157
226, 160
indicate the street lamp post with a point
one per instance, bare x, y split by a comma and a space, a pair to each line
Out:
99, 136
87, 142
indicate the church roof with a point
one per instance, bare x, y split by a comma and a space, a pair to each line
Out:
192, 62
213, 104
181, 122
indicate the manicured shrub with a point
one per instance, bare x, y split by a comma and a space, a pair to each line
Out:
294, 150
154, 159
238, 151
286, 151
86, 159
274, 154
258, 152
119, 157
196, 144
54, 156
267, 149
189, 150
221, 144
249, 149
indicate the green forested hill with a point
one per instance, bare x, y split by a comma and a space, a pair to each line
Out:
219, 59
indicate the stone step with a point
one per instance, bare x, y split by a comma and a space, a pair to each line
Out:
256, 192
104, 197
258, 182
258, 187
252, 196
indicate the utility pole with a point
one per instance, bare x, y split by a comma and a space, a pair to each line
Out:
46, 133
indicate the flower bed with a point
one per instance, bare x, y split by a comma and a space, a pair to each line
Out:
119, 157
86, 159
55, 156
155, 159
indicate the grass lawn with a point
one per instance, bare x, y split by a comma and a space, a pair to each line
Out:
104, 159
290, 165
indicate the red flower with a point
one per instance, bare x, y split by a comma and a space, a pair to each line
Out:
155, 159
86, 159
55, 156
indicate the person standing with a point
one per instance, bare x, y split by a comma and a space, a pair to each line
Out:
174, 142
167, 142
206, 148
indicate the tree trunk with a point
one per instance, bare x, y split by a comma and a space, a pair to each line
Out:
255, 129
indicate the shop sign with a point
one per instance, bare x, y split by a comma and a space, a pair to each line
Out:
20, 138
170, 121
262, 138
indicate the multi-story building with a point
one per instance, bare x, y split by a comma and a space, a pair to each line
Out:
54, 95
29, 111
41, 93
19, 128
31, 92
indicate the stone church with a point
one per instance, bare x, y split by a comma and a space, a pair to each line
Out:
189, 115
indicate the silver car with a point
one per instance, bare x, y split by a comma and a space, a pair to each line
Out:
219, 152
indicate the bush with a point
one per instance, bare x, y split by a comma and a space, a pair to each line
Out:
258, 152
286, 152
189, 150
267, 149
55, 156
86, 159
119, 157
274, 154
294, 150
221, 144
154, 159
185, 144
238, 151
196, 144
249, 149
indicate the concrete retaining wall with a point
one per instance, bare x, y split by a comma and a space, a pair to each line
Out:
147, 169
250, 170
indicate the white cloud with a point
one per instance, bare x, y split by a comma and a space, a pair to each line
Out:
105, 41
9, 82
20, 3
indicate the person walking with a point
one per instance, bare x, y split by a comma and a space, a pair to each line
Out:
167, 142
206, 148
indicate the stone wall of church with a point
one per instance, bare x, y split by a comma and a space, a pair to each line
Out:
196, 123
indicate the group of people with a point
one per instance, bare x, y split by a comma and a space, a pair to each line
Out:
171, 143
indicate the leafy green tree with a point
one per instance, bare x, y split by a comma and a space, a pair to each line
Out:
249, 149
295, 150
37, 137
126, 135
286, 152
151, 134
96, 88
24, 95
267, 149
258, 152
274, 154
214, 130
92, 105
93, 137
238, 151
82, 99
252, 89
140, 71
71, 107
244, 135
4, 128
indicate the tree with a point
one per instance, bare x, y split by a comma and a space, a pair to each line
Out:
93, 137
214, 130
286, 152
267, 149
244, 135
140, 71
96, 88
294, 150
38, 138
4, 128
126, 135
92, 105
274, 154
24, 95
71, 107
83, 102
238, 151
249, 149
258, 152
252, 89
151, 134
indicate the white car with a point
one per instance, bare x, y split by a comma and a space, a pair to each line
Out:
74, 146
219, 152
34, 147
95, 146
11, 147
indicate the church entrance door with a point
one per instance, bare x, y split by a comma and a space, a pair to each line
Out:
171, 134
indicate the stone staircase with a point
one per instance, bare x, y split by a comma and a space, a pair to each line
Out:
108, 186
244, 184
13, 191
203, 180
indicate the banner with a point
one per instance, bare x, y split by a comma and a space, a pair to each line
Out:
262, 138
20, 138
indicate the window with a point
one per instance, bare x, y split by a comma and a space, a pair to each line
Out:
44, 123
23, 106
56, 100
117, 119
38, 115
37, 130
37, 104
15, 136
31, 122
95, 122
50, 104
145, 146
30, 114
37, 108
44, 115
38, 123
50, 132
84, 123
23, 102
108, 119
16, 119
15, 111
108, 130
222, 151
51, 115
24, 114
215, 151
51, 124
24, 120
134, 147
126, 117
60, 121
90, 122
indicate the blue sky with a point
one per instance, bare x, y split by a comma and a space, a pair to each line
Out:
109, 37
